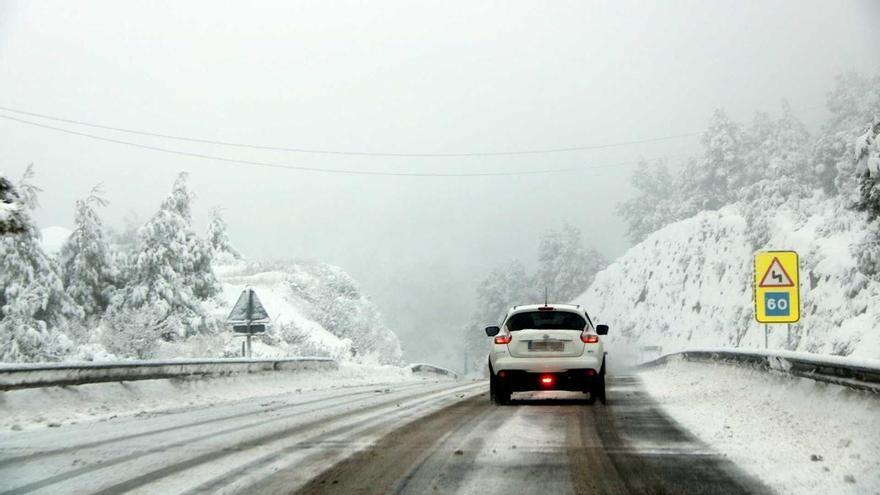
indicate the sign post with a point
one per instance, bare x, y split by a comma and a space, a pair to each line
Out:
248, 317
777, 289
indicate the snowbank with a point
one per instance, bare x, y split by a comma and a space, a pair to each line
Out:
796, 435
690, 285
52, 406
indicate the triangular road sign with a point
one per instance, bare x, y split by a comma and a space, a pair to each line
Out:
248, 308
776, 276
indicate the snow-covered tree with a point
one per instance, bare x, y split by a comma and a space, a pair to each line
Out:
171, 268
656, 204
714, 179
505, 286
12, 219
34, 309
867, 158
218, 239
854, 101
565, 266
778, 170
87, 265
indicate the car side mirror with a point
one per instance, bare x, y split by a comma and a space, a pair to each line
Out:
602, 329
492, 331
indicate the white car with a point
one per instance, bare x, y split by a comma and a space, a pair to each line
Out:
547, 347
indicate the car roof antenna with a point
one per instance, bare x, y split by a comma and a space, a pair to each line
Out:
545, 298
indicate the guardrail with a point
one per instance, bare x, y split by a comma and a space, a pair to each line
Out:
19, 376
856, 374
430, 368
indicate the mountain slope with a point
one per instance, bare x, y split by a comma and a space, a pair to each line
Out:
690, 284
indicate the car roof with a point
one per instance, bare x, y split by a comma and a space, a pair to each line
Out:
571, 308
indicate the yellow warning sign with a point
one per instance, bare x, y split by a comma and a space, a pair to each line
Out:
777, 294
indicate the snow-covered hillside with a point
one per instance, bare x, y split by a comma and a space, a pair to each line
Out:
690, 283
316, 309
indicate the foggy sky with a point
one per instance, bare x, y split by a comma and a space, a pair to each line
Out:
407, 77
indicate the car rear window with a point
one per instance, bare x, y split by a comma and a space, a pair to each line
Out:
546, 320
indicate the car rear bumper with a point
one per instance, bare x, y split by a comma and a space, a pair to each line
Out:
547, 365
582, 380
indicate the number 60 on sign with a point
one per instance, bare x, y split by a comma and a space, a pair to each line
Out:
777, 294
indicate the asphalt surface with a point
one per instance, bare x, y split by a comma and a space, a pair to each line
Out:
626, 446
424, 437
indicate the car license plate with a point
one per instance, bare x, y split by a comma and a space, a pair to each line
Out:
546, 346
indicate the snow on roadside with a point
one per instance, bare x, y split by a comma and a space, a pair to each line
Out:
796, 435
55, 406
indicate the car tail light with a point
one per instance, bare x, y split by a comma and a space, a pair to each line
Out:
590, 338
546, 308
503, 339
547, 380
591, 372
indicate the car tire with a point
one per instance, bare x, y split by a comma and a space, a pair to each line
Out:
501, 396
600, 385
497, 394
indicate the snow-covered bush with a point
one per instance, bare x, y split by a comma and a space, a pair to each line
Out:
135, 333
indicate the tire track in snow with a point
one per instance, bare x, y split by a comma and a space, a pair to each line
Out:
17, 460
330, 447
259, 441
236, 428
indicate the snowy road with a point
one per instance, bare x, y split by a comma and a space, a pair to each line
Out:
408, 438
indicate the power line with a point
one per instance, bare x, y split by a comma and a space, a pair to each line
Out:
313, 169
354, 153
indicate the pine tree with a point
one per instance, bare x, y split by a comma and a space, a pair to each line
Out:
218, 239
565, 266
12, 219
34, 309
171, 270
87, 265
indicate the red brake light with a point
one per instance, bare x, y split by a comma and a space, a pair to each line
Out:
545, 308
503, 339
590, 338
547, 380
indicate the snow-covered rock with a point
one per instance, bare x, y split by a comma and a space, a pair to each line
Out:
690, 284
